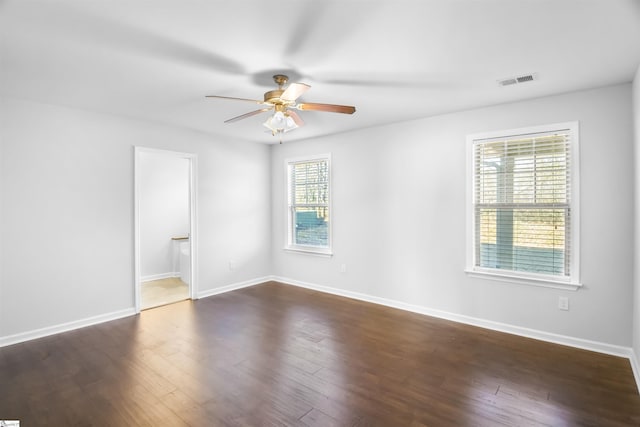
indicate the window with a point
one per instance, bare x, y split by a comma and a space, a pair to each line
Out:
524, 217
308, 193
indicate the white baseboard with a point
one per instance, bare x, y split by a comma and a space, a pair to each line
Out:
599, 347
234, 286
77, 324
159, 276
635, 367
64, 327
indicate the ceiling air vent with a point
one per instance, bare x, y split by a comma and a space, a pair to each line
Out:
519, 79
523, 79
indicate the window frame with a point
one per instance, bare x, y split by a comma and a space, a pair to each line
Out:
571, 282
289, 218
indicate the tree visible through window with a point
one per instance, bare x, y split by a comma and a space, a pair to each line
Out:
522, 203
308, 194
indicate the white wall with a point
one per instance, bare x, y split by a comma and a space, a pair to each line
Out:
164, 211
636, 283
399, 217
66, 209
67, 212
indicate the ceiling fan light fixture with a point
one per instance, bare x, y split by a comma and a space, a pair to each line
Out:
280, 122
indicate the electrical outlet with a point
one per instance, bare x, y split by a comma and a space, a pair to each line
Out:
563, 303
343, 268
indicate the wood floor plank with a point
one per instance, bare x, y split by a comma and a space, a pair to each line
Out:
277, 355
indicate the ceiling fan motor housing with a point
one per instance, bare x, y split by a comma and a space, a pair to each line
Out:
273, 96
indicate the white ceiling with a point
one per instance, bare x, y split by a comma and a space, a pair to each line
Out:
393, 59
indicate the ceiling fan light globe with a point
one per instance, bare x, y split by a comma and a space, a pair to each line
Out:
267, 124
279, 120
275, 123
290, 123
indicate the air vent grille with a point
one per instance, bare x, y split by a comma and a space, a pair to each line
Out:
523, 79
519, 79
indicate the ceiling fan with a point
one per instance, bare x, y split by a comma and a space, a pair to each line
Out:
283, 103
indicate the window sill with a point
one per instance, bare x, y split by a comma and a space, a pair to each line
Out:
524, 280
323, 252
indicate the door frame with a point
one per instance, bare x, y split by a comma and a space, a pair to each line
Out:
193, 221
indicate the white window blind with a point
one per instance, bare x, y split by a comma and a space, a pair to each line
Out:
308, 204
523, 204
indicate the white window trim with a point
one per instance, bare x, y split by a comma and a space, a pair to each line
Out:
557, 282
288, 238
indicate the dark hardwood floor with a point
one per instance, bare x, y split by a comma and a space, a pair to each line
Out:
278, 355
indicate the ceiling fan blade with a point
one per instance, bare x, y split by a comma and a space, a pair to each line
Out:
117, 34
244, 116
302, 27
388, 83
344, 109
294, 91
256, 101
296, 118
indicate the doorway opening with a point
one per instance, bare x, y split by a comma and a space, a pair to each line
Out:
165, 231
